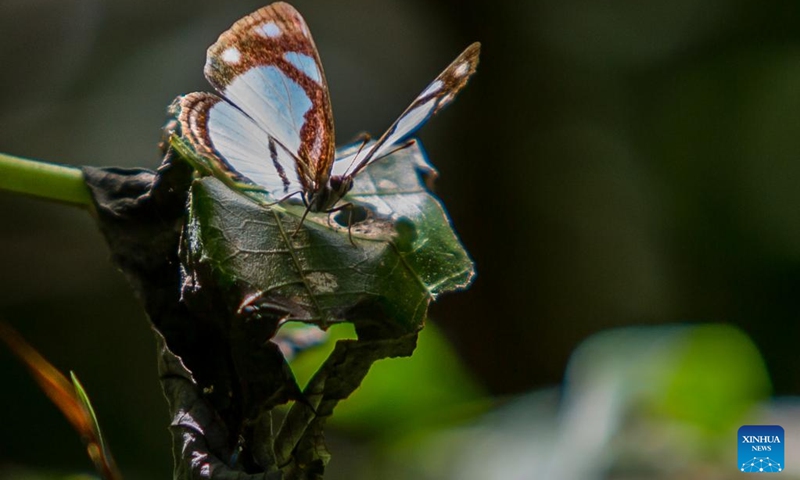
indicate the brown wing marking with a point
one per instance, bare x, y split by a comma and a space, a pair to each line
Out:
264, 38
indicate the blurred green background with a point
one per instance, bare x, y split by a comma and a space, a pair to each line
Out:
613, 163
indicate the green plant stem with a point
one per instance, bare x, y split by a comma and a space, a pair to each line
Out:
60, 183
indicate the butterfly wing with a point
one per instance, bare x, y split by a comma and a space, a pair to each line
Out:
213, 125
435, 97
274, 124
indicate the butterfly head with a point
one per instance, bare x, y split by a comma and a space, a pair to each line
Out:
325, 198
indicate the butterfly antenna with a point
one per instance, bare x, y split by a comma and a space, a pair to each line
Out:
402, 146
369, 161
365, 138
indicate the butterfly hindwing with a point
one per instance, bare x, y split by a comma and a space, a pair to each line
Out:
218, 130
267, 67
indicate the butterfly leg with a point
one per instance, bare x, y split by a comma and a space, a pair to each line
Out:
284, 198
302, 219
350, 207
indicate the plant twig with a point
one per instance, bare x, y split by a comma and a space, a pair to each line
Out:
60, 183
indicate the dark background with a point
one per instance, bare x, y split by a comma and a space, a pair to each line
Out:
612, 163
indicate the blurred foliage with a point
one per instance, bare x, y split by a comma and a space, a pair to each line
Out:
635, 401
711, 402
68, 396
429, 390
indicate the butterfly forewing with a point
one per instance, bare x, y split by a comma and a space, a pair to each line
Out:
436, 96
267, 67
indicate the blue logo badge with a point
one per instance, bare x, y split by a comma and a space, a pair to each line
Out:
761, 449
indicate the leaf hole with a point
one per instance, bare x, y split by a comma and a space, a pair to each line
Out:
347, 217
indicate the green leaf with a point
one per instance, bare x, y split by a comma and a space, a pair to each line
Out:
405, 252
83, 397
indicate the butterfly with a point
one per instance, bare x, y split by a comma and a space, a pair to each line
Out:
271, 126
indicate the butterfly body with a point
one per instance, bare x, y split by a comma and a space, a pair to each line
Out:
271, 126
326, 197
